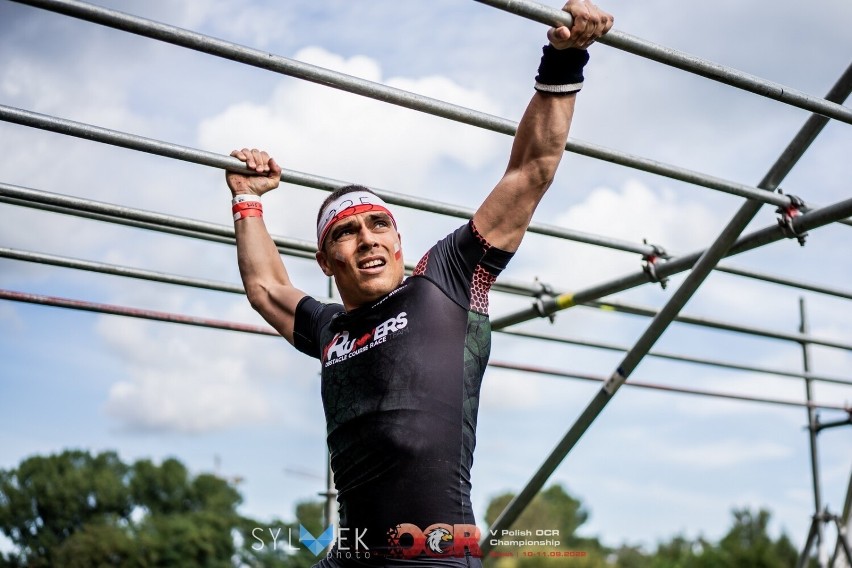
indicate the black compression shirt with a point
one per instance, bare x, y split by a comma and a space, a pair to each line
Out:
400, 389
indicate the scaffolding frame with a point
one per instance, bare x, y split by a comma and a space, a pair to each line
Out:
707, 259
701, 263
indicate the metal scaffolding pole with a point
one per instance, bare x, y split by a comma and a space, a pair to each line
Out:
548, 306
169, 317
169, 224
683, 61
844, 530
27, 197
116, 270
625, 308
315, 74
330, 494
677, 357
779, 170
134, 312
654, 386
129, 216
220, 48
68, 205
153, 276
192, 155
818, 528
219, 286
724, 245
809, 286
631, 360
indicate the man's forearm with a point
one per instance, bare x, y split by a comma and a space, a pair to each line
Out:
540, 140
259, 262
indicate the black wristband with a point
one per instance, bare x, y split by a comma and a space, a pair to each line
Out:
561, 70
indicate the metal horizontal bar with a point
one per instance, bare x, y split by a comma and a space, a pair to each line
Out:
806, 222
149, 275
116, 270
305, 249
681, 358
107, 212
155, 315
776, 173
634, 309
683, 61
700, 270
355, 85
502, 285
810, 286
133, 312
192, 155
134, 217
640, 384
706, 261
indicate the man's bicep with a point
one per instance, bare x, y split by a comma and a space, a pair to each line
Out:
504, 216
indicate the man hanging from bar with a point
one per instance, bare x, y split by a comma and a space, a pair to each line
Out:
403, 359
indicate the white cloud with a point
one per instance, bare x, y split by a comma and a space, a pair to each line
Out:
321, 130
180, 381
632, 213
44, 88
239, 19
637, 211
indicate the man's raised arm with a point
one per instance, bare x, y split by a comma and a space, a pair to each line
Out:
504, 216
265, 279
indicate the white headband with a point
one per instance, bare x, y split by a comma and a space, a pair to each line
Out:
349, 204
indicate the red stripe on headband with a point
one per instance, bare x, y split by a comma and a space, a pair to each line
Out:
354, 210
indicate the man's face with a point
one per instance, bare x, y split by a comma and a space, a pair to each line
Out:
364, 254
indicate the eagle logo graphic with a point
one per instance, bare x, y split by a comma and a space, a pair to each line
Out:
438, 537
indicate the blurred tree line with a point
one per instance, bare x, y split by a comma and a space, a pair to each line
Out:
78, 510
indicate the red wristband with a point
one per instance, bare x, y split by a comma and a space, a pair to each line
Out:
245, 209
248, 212
243, 205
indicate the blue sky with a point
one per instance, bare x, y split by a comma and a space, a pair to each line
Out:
653, 464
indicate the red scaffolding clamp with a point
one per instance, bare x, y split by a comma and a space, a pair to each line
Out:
786, 216
650, 262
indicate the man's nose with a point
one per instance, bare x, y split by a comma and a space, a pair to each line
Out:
366, 238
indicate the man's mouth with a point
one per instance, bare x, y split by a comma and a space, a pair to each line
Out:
372, 263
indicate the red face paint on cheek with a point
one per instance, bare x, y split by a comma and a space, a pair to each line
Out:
397, 252
339, 258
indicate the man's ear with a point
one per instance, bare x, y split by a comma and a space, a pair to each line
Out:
322, 260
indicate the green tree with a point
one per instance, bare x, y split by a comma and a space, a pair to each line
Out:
747, 544
46, 500
75, 509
